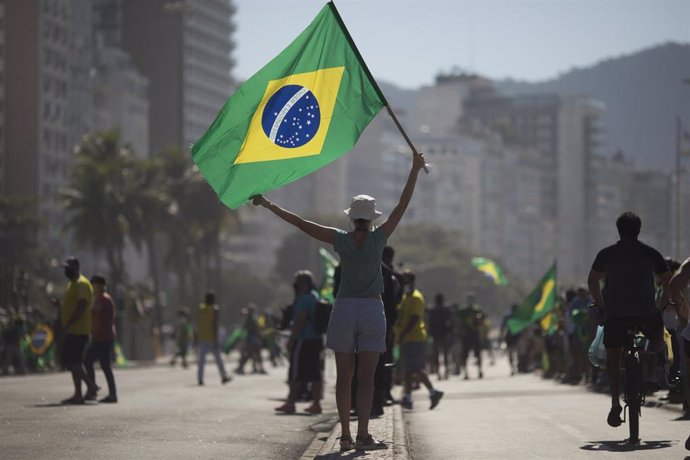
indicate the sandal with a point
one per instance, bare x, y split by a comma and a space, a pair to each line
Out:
369, 443
346, 443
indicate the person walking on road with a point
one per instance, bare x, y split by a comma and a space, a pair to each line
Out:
75, 313
358, 323
305, 345
410, 333
469, 321
183, 332
440, 329
207, 337
102, 338
627, 269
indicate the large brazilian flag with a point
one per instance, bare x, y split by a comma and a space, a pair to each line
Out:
303, 110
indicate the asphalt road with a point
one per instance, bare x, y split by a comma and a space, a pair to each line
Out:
525, 417
162, 413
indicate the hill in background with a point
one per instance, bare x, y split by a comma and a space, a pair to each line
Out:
642, 91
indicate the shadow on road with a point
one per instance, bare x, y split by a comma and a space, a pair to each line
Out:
57, 404
341, 455
623, 446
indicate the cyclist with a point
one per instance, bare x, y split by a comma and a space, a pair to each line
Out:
627, 300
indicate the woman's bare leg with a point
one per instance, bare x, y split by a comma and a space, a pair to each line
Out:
345, 365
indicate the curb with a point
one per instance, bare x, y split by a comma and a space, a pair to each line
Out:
389, 428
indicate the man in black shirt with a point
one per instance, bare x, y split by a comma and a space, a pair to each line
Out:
628, 298
440, 329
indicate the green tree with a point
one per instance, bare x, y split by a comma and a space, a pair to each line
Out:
98, 201
19, 227
197, 223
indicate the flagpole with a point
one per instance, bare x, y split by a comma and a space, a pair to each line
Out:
346, 32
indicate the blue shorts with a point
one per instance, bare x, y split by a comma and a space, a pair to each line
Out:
413, 356
357, 325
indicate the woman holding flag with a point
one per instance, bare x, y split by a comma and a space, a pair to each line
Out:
357, 323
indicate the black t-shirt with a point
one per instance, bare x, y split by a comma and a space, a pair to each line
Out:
629, 288
391, 293
440, 321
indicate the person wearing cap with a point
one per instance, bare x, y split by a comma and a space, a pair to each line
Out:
357, 323
102, 338
75, 314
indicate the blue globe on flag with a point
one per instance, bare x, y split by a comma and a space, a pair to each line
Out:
291, 116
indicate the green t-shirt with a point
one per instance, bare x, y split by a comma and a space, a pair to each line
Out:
360, 267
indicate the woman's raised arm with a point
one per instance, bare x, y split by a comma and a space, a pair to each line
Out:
393, 220
319, 232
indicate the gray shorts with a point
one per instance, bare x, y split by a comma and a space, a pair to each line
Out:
357, 325
412, 356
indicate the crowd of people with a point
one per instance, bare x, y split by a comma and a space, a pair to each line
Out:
382, 331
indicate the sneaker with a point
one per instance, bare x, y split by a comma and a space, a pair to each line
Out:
73, 400
109, 399
614, 418
226, 380
201, 383
406, 403
91, 393
314, 409
376, 411
369, 443
435, 398
287, 408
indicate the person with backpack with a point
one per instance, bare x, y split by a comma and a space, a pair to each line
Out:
305, 345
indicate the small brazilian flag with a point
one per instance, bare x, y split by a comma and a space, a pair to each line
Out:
490, 269
538, 303
303, 110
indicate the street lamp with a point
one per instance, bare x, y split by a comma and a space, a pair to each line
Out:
679, 176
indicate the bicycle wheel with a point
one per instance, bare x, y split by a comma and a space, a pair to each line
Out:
633, 389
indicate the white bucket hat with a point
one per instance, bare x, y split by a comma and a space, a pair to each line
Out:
363, 207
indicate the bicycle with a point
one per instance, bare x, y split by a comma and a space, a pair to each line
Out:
634, 394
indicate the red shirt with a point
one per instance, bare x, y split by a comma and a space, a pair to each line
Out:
103, 319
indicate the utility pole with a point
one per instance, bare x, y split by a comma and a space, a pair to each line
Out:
679, 177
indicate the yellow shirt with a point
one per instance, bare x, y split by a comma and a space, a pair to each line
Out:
411, 305
204, 324
77, 290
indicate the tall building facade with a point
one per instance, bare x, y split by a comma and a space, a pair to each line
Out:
564, 131
46, 63
183, 49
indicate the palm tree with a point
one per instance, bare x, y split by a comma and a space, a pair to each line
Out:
98, 196
149, 216
198, 220
19, 226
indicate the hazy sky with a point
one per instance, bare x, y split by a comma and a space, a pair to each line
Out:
408, 42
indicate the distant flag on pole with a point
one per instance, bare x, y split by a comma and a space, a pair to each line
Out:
301, 111
329, 263
490, 269
537, 305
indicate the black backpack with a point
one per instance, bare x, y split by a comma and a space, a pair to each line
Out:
322, 314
